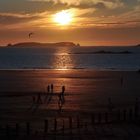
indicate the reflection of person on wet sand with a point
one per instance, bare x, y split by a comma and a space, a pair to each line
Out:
61, 99
48, 88
47, 94
39, 100
60, 103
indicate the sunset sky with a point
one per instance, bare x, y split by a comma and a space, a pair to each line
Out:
93, 22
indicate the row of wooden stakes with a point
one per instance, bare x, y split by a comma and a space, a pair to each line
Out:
124, 116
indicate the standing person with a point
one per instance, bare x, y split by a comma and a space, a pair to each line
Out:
63, 91
50, 95
51, 88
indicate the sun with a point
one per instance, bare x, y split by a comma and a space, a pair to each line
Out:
63, 18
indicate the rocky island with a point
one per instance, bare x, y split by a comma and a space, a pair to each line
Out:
36, 44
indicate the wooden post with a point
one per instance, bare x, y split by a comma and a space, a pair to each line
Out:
46, 127
28, 128
17, 129
106, 117
7, 130
136, 109
78, 122
93, 119
55, 125
118, 116
99, 118
124, 115
70, 124
130, 114
63, 127
86, 127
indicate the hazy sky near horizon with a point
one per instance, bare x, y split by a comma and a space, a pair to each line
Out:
95, 22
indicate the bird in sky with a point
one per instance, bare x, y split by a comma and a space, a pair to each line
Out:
30, 34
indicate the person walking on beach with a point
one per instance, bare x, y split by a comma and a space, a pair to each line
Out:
51, 88
50, 91
62, 94
63, 89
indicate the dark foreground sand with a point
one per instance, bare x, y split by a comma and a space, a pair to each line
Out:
87, 92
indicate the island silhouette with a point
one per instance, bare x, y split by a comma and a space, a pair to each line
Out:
38, 44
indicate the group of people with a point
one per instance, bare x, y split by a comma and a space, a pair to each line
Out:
48, 96
50, 88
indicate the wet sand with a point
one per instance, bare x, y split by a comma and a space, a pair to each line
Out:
86, 92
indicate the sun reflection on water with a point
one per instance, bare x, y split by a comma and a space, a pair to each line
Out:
63, 60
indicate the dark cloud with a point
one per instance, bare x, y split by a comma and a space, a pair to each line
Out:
99, 5
22, 6
15, 19
103, 7
28, 6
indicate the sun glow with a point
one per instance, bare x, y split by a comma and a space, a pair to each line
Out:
63, 18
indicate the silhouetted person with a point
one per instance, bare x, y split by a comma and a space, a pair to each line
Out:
63, 91
110, 105
49, 97
51, 88
39, 100
136, 107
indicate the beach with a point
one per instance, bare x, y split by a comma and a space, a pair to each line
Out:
70, 70
87, 92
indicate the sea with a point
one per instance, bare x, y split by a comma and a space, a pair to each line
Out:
91, 58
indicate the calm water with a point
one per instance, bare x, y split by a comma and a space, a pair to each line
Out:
69, 58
